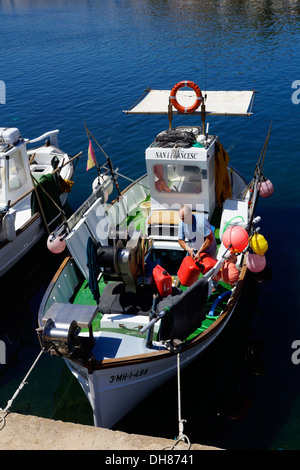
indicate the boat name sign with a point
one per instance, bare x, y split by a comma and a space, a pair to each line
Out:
112, 378
128, 375
176, 155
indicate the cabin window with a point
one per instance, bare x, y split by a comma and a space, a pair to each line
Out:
185, 179
16, 172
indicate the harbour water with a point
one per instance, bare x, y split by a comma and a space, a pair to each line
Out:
66, 62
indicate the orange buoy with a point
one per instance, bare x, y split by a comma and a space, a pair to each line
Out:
183, 109
230, 274
236, 238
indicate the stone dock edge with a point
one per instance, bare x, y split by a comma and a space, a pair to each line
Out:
26, 432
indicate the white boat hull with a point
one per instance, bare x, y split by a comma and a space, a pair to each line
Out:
115, 391
19, 229
13, 251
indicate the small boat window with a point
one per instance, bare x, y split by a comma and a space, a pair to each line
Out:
184, 179
16, 172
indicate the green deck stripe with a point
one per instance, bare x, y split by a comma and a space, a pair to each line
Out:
85, 297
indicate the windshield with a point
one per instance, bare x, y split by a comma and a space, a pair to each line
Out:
184, 179
16, 172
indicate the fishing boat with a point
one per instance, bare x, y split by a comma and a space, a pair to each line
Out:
34, 186
128, 308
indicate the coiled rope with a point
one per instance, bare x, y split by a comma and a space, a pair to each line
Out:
10, 402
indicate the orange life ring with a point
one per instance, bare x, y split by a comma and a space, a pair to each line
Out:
182, 109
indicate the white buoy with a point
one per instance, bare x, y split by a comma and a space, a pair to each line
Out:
56, 245
104, 181
255, 262
9, 224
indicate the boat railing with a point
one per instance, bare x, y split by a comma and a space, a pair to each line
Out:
27, 193
51, 134
65, 227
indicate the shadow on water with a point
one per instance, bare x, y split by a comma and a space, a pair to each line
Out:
50, 391
219, 386
238, 395
19, 288
216, 385
21, 292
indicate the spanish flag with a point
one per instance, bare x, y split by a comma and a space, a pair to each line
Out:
91, 161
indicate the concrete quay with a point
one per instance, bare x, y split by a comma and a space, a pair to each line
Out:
25, 432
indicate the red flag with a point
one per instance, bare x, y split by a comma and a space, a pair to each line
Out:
91, 161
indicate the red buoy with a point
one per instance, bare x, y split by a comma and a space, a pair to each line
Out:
230, 274
237, 237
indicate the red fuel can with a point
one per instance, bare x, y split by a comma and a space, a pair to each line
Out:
162, 281
191, 269
208, 262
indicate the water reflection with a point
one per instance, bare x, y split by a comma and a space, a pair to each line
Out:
260, 11
21, 291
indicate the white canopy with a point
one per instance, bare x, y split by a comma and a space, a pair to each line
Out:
217, 103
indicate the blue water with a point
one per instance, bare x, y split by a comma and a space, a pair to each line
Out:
66, 62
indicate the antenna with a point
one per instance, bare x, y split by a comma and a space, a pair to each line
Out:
203, 111
205, 71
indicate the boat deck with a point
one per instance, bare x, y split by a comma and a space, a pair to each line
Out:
122, 323
130, 324
114, 345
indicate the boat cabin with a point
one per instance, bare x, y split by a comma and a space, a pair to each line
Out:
182, 170
182, 174
15, 178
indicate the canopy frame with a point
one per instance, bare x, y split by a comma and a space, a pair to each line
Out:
217, 103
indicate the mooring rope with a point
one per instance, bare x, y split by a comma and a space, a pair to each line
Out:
181, 435
10, 402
